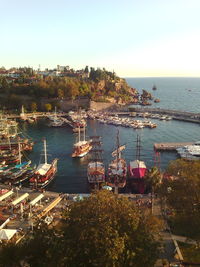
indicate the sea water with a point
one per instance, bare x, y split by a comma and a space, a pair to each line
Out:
174, 93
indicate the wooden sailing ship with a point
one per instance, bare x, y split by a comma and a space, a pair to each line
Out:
117, 169
96, 168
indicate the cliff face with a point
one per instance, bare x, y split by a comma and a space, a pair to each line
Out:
112, 90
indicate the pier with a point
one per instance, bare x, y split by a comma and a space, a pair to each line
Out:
175, 114
35, 114
170, 146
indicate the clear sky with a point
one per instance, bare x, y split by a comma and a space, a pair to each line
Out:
134, 37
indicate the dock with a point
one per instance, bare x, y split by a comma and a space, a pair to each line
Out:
170, 146
175, 114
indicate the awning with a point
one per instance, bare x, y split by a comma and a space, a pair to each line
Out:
35, 200
7, 234
6, 195
16, 201
50, 207
4, 224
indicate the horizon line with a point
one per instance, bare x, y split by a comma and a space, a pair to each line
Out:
143, 77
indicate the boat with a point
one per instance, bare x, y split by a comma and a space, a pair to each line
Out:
96, 168
117, 169
82, 147
17, 173
190, 151
23, 116
55, 120
137, 171
154, 87
10, 136
44, 173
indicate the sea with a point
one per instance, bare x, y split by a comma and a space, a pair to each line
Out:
174, 93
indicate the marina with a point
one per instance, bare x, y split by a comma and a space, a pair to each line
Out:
71, 174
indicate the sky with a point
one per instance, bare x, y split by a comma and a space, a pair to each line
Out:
135, 38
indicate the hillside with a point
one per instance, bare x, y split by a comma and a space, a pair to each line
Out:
30, 88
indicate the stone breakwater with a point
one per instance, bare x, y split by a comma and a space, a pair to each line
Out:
175, 114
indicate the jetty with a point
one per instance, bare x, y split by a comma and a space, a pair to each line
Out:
170, 146
33, 114
175, 114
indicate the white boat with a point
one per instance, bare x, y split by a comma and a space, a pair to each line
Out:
44, 173
82, 147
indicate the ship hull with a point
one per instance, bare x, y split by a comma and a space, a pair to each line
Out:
137, 170
79, 153
41, 181
117, 173
96, 173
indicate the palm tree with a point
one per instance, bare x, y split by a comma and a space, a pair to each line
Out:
153, 178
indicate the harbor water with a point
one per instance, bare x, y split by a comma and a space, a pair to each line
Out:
174, 93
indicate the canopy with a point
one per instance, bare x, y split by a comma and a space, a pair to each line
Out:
19, 166
43, 168
6, 195
35, 200
137, 164
7, 234
3, 224
50, 207
16, 201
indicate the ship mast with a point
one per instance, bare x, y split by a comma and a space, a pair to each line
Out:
138, 149
20, 155
118, 156
45, 151
83, 133
118, 150
79, 134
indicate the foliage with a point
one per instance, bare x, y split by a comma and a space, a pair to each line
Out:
33, 106
48, 107
103, 230
153, 178
182, 194
35, 87
191, 253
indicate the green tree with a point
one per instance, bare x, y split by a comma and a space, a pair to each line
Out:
86, 69
102, 230
60, 93
153, 178
48, 107
182, 194
33, 106
105, 230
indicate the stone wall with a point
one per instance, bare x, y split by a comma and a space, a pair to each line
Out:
102, 106
67, 105
84, 103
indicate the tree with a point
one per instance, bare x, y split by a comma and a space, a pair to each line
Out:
48, 107
105, 230
60, 93
182, 193
153, 177
33, 106
86, 69
102, 230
